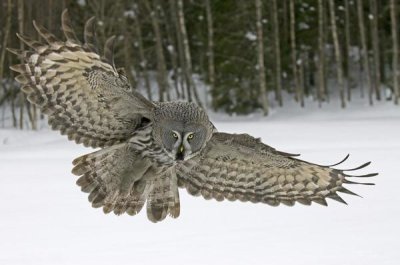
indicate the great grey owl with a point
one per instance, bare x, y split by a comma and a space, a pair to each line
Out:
148, 149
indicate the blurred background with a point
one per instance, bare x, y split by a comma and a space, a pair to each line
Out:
235, 57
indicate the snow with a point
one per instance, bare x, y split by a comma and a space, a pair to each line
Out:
130, 14
46, 219
303, 26
250, 36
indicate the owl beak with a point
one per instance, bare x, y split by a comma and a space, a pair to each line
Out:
181, 153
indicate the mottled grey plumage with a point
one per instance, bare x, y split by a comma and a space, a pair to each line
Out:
149, 148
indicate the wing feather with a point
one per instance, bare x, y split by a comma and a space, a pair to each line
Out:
82, 93
240, 167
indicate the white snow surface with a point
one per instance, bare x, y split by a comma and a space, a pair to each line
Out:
46, 219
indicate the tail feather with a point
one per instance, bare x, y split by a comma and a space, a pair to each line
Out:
121, 182
163, 198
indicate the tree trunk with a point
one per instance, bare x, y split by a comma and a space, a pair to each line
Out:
395, 59
321, 53
375, 47
301, 79
12, 95
128, 59
161, 65
293, 48
21, 31
172, 51
348, 47
285, 34
260, 56
186, 51
277, 52
210, 53
364, 48
338, 56
143, 60
383, 40
5, 36
182, 77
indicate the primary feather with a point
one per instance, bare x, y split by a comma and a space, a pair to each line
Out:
82, 94
240, 167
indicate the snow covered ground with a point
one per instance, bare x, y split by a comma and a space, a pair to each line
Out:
46, 219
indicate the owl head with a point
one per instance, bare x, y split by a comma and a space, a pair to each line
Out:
182, 129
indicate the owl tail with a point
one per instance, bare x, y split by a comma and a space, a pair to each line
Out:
113, 177
163, 197
118, 179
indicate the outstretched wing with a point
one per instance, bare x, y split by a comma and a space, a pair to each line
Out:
83, 94
240, 167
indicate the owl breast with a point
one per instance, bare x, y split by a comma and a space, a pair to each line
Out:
143, 142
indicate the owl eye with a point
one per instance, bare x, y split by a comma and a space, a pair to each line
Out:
175, 135
190, 136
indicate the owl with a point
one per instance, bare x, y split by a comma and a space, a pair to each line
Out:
147, 150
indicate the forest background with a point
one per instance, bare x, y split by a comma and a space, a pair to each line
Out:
236, 57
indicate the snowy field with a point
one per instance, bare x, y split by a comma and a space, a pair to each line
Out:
46, 219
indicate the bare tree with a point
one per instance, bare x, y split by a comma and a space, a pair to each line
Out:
143, 60
277, 52
186, 49
395, 58
293, 48
21, 31
338, 55
5, 36
172, 50
210, 52
364, 48
301, 63
347, 57
161, 65
128, 59
184, 82
260, 56
375, 47
321, 52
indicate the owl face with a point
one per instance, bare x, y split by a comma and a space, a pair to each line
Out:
182, 141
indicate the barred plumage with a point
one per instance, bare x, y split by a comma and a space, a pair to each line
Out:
149, 148
240, 167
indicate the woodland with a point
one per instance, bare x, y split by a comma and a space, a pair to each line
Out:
235, 57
